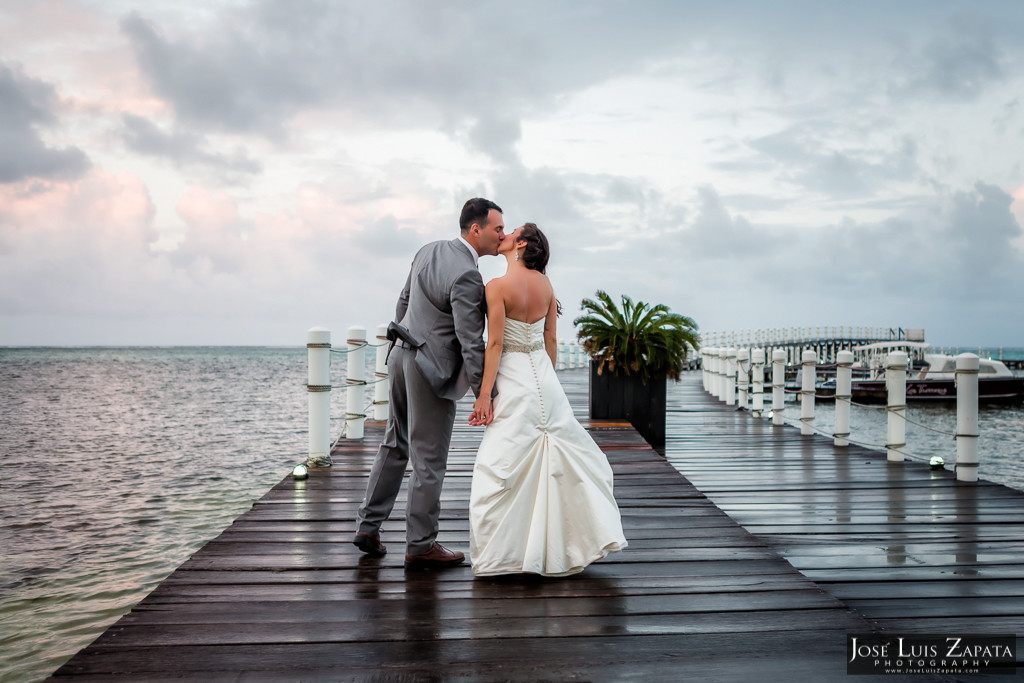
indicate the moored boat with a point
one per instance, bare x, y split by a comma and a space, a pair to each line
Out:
936, 381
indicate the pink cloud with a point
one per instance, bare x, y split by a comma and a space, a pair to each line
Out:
75, 246
206, 209
214, 233
82, 52
87, 249
98, 211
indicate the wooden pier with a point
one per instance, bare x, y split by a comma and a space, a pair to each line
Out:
908, 547
282, 594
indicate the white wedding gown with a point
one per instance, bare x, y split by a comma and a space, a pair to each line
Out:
541, 499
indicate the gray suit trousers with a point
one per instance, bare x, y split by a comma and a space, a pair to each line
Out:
419, 431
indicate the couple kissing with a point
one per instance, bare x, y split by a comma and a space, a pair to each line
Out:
541, 499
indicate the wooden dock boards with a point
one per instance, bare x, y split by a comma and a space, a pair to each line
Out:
282, 594
911, 549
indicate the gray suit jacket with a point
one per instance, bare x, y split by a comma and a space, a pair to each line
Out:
442, 307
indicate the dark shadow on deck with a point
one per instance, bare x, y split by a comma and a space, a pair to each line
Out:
283, 595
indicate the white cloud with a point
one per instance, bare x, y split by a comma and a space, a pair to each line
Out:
270, 166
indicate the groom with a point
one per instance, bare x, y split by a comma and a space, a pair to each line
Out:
437, 354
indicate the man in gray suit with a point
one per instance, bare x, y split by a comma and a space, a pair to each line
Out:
437, 355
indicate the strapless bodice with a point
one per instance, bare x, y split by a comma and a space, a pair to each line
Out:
523, 337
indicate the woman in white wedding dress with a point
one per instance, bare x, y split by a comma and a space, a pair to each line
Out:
541, 499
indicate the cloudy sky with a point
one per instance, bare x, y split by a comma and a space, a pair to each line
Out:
237, 172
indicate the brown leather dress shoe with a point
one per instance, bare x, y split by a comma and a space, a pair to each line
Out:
370, 545
438, 557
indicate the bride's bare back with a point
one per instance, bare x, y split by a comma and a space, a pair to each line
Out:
527, 295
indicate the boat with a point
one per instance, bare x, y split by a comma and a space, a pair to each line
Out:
934, 379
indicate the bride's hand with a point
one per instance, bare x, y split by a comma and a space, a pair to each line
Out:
483, 411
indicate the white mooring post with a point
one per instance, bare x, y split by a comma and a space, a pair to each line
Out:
715, 366
742, 383
967, 417
809, 363
356, 381
719, 373
778, 386
896, 386
703, 355
380, 389
757, 371
318, 386
844, 377
730, 376
709, 368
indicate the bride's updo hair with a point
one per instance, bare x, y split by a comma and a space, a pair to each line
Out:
535, 255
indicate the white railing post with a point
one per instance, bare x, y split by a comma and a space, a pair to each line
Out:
713, 386
844, 377
730, 376
703, 355
380, 389
896, 387
742, 365
718, 376
809, 363
757, 370
572, 355
778, 386
720, 373
560, 355
356, 381
967, 417
318, 386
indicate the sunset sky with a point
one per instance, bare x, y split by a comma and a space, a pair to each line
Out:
238, 172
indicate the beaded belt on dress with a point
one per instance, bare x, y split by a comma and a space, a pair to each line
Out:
515, 347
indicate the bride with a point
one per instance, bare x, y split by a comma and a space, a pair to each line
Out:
541, 499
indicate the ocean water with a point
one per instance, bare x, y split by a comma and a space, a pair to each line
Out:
117, 464
930, 427
929, 432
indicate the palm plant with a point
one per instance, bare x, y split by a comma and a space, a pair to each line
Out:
639, 338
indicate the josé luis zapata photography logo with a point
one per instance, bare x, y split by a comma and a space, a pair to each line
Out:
873, 653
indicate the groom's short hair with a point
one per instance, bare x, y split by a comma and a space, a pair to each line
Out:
475, 211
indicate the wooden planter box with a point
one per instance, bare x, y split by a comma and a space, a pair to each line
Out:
626, 397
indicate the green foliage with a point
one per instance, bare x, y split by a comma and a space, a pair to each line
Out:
638, 338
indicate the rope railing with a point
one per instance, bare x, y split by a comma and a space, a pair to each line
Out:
873, 406
358, 344
865, 444
727, 373
319, 385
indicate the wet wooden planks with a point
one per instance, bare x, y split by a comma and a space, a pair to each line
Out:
283, 595
909, 548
